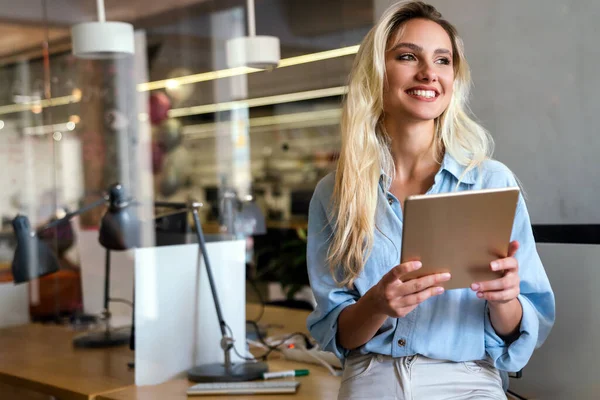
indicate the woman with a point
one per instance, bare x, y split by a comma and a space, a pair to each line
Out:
406, 131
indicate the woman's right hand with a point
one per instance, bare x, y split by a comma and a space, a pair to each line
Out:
397, 298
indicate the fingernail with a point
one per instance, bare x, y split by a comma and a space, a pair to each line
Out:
439, 290
445, 276
494, 265
475, 286
417, 264
479, 294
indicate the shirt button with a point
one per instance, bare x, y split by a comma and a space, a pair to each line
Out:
401, 342
391, 201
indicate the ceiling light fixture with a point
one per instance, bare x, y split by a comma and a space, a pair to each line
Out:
196, 110
229, 72
258, 102
55, 101
253, 51
102, 39
185, 80
293, 120
48, 129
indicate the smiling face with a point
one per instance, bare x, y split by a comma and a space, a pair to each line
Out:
419, 71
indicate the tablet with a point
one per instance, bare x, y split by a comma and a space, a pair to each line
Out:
458, 232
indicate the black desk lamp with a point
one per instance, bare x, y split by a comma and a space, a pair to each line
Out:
216, 372
118, 231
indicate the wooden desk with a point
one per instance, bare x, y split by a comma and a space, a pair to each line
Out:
319, 384
42, 358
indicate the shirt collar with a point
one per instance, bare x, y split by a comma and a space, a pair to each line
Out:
449, 164
457, 170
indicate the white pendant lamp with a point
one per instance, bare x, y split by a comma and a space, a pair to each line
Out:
102, 39
253, 51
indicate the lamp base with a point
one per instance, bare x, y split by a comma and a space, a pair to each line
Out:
238, 373
102, 339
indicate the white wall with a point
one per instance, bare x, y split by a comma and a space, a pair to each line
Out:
565, 367
534, 65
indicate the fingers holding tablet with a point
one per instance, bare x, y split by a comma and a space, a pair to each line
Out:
419, 295
503, 289
397, 298
417, 285
399, 271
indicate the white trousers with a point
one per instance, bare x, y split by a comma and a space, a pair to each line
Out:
379, 377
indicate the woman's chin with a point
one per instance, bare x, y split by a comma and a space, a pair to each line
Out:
416, 114
422, 116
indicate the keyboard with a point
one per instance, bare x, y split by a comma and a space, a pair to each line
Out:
255, 387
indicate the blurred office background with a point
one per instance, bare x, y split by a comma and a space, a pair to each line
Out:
71, 127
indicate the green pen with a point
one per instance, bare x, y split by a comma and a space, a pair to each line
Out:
285, 374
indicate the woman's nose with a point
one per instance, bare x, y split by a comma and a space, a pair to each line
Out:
427, 74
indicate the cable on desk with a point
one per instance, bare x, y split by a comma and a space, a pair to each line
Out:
271, 348
307, 342
321, 361
259, 334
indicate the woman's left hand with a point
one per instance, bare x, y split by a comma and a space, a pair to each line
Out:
505, 289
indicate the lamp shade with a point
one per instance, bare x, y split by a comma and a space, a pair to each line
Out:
33, 258
98, 40
119, 228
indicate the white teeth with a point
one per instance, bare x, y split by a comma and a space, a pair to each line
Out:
423, 93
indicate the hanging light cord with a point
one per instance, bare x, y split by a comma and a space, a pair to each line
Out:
251, 19
100, 9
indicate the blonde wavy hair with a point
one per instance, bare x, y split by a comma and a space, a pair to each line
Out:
365, 149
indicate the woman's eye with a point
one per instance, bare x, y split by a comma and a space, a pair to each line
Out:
444, 61
406, 57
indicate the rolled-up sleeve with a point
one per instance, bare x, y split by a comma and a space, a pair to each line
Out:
330, 298
536, 297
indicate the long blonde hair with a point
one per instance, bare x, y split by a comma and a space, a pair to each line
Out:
365, 149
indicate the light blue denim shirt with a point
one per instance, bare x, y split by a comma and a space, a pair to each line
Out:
453, 326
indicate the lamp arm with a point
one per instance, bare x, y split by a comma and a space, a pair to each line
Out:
70, 215
213, 288
202, 243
